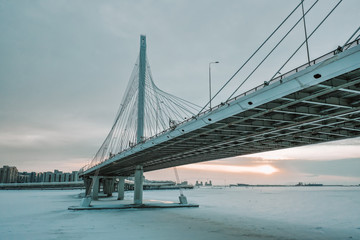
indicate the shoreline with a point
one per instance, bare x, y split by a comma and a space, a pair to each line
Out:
80, 185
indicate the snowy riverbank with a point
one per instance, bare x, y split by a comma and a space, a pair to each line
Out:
227, 213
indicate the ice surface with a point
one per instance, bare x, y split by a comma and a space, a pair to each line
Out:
224, 213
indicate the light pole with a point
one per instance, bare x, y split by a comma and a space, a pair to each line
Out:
210, 80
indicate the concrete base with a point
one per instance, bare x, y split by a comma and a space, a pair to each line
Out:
129, 206
85, 202
183, 199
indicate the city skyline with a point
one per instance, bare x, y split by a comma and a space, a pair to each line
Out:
10, 174
64, 67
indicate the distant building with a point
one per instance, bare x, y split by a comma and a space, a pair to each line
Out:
197, 184
40, 177
49, 177
8, 174
208, 184
184, 183
67, 177
23, 177
75, 176
32, 176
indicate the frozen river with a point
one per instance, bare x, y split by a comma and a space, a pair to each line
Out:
224, 213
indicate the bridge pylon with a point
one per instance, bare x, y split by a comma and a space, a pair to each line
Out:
108, 182
138, 181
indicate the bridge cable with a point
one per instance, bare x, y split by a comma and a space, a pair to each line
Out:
307, 44
178, 181
160, 109
308, 38
272, 50
242, 66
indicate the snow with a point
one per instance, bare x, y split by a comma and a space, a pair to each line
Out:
224, 213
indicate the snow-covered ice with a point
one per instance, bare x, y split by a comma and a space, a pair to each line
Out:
224, 213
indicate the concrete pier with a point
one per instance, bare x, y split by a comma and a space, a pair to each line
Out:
87, 183
95, 189
138, 185
108, 186
121, 188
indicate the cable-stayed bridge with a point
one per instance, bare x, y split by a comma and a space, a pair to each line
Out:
314, 103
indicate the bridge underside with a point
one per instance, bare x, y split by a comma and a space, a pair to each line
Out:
324, 112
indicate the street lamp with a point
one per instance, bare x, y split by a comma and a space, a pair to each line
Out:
210, 80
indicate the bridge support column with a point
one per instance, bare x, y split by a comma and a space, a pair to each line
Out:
121, 188
87, 183
138, 185
112, 185
108, 186
95, 190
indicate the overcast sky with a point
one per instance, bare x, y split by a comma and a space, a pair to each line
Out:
64, 66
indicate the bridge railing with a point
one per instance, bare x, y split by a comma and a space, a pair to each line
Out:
298, 69
266, 83
277, 79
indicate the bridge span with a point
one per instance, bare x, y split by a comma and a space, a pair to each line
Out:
309, 105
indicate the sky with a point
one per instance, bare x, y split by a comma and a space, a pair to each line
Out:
64, 66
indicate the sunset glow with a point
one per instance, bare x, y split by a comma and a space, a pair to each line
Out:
260, 169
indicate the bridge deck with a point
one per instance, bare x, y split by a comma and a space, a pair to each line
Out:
317, 104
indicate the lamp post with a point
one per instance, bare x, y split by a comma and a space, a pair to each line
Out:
210, 80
